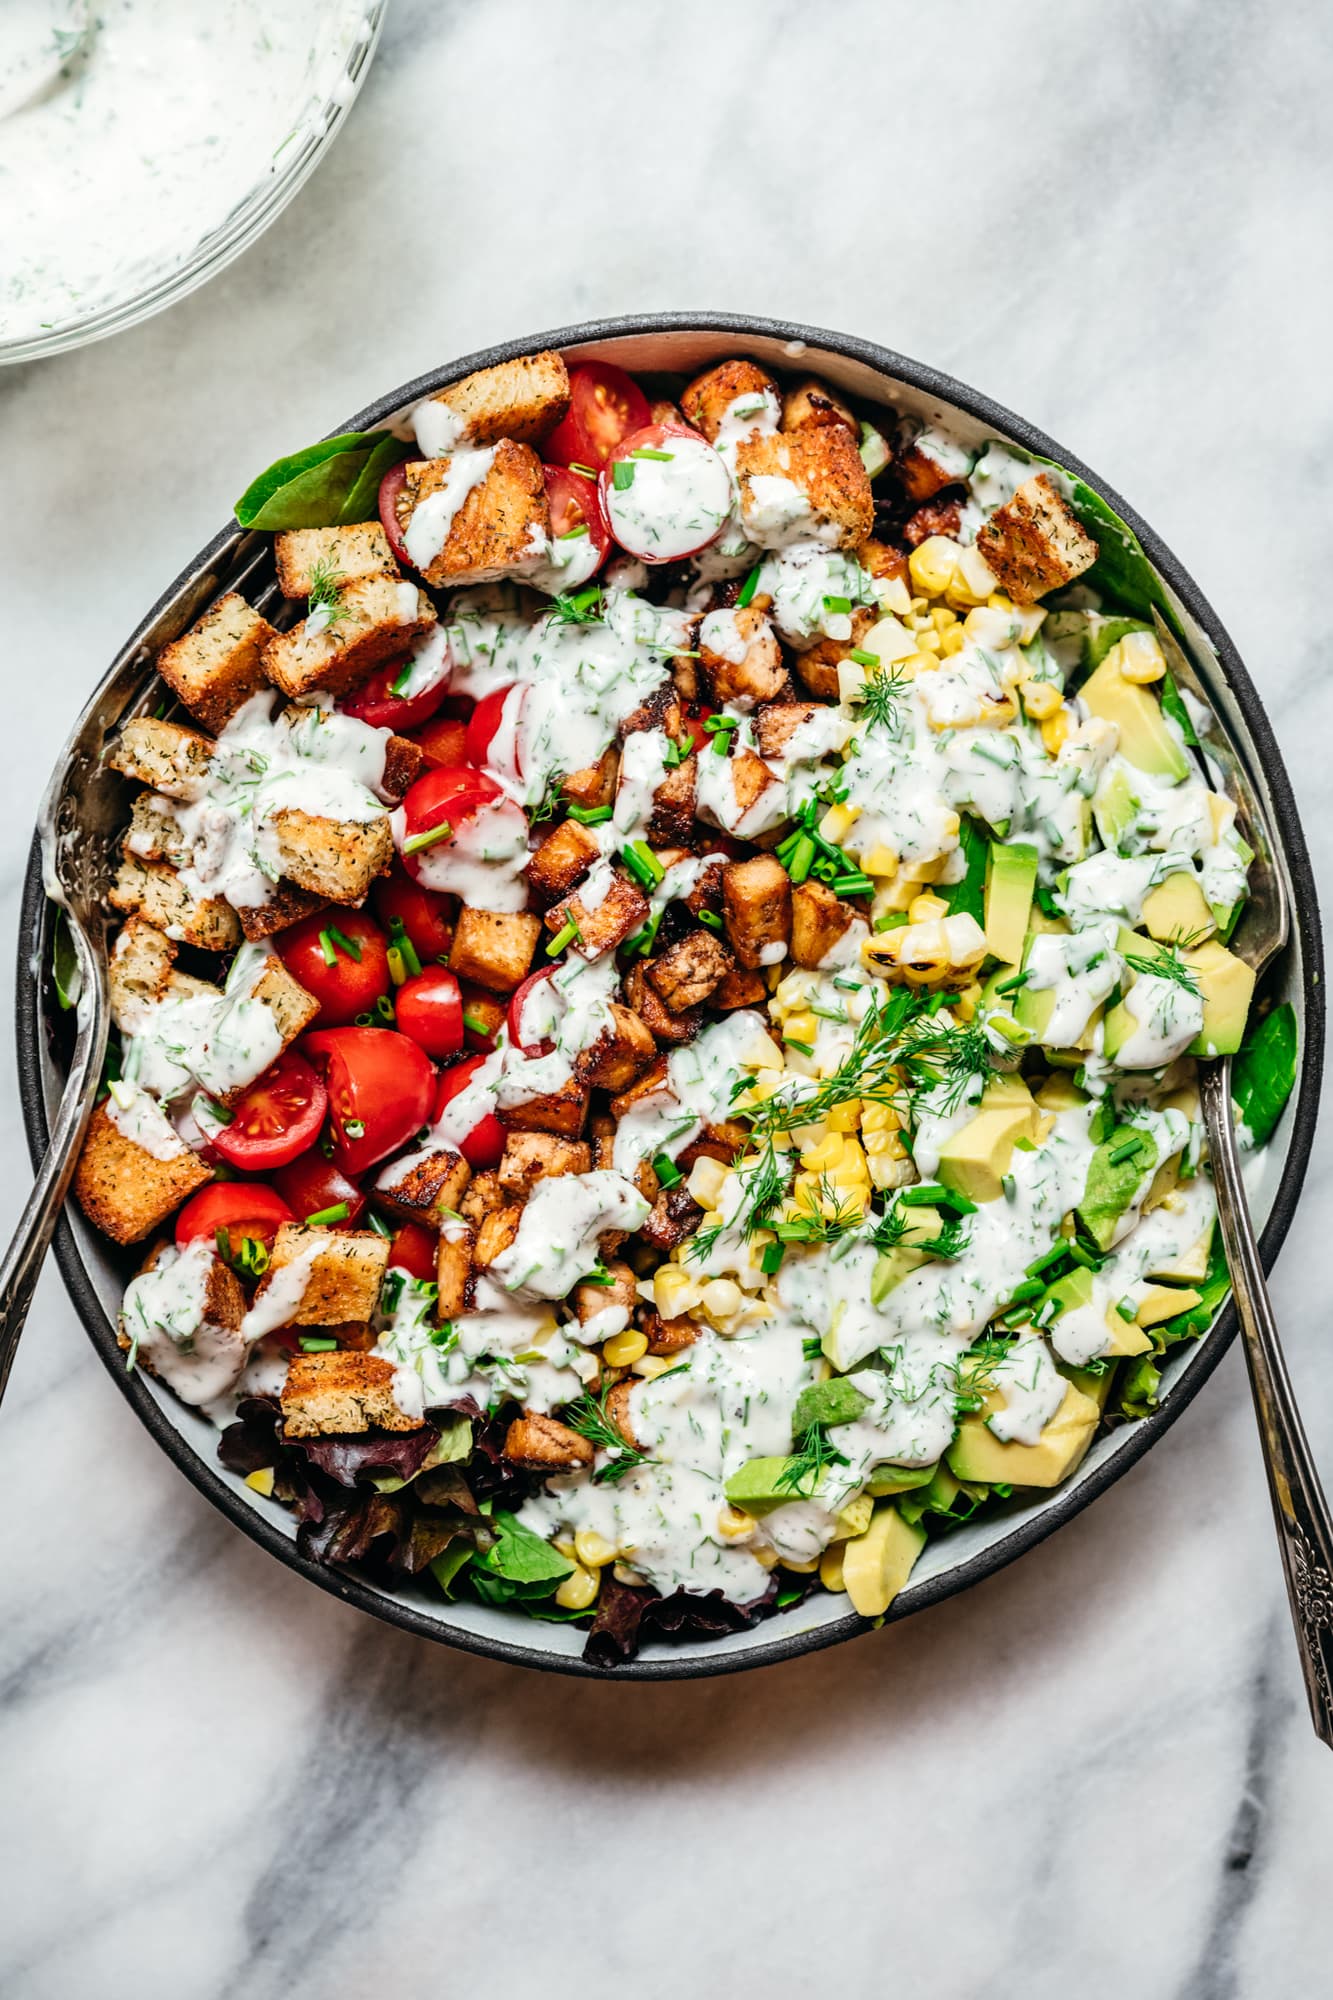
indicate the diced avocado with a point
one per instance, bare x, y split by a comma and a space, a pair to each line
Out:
888, 1479
1162, 1302
1163, 1183
1061, 1093
877, 1564
1035, 1005
975, 1160
1227, 986
1072, 1291
1040, 924
1124, 1336
1094, 1383
1177, 908
1011, 876
1115, 807
755, 1486
976, 1452
1191, 1265
833, 1402
1145, 737
853, 1518
1115, 1174
921, 1225
1101, 634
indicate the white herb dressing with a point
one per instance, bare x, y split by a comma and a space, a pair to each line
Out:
1167, 1016
279, 1297
199, 1037
558, 1234
669, 502
697, 1090
141, 1119
483, 859
1157, 1241
811, 586
164, 1316
429, 523
1082, 968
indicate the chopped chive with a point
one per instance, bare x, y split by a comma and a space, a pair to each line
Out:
860, 655
416, 841
622, 475
317, 1343
771, 1260
642, 863
599, 1275
565, 935
398, 685
378, 1224
354, 1128
590, 815
749, 587
647, 451
1125, 1150
584, 471
404, 963
837, 604
1126, 1308
1082, 1255
802, 858
572, 534
893, 921
643, 941
1010, 1186
338, 1213
475, 1025
853, 885
384, 1011
1012, 984
710, 920
1031, 1288
805, 1048
1046, 1260
668, 1173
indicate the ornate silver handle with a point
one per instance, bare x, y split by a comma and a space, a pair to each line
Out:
1300, 1511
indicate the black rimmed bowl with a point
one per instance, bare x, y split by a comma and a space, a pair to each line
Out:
95, 1273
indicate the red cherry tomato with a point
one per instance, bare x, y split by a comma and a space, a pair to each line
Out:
430, 1010
313, 1185
413, 1250
341, 958
443, 798
380, 1086
484, 1145
652, 438
517, 1002
443, 740
425, 915
488, 718
576, 503
693, 727
605, 405
483, 1017
242, 1208
278, 1117
390, 487
377, 704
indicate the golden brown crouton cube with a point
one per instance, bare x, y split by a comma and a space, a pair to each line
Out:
332, 858
496, 1233
542, 1444
154, 832
530, 1157
307, 556
621, 912
618, 1054
561, 859
217, 665
493, 949
1036, 542
742, 987
756, 908
881, 561
659, 709
331, 1395
564, 1111
453, 1272
595, 784
672, 816
778, 722
286, 905
817, 666
126, 1191
216, 1344
832, 487
809, 404
374, 618
151, 890
523, 399
663, 411
165, 756
495, 530
423, 1188
343, 1280
403, 760
687, 971
484, 1013
621, 1295
708, 397
818, 920
651, 1009
140, 967
926, 471
740, 657
670, 1336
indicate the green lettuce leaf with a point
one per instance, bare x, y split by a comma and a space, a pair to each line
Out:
328, 485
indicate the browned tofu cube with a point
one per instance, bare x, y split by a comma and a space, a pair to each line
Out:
618, 1054
673, 1216
710, 396
750, 779
496, 1233
653, 1083
522, 399
564, 1111
484, 1195
542, 1444
652, 1010
715, 1142
619, 1409
165, 756
217, 665
819, 919
423, 1187
595, 784
670, 1336
817, 666
336, 1395
336, 860
740, 658
374, 618
286, 905
453, 1272
1036, 542
936, 517
151, 890
924, 471
756, 908
742, 987
343, 1271
832, 497
126, 1191
493, 949
530, 1157
621, 1295
563, 857
493, 532
672, 816
403, 760
621, 912
809, 404
309, 556
776, 724
707, 891
688, 971
658, 710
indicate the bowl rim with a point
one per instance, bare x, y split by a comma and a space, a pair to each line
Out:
1066, 1503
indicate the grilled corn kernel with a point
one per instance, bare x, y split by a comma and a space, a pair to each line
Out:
261, 1480
649, 1365
930, 641
942, 618
877, 1117
593, 1550
1139, 658
734, 1524
721, 1297
973, 579
932, 565
579, 1589
675, 1291
800, 1027
1054, 731
564, 1546
894, 595
818, 1159
830, 1567
837, 822
765, 1555
706, 1181
880, 860
844, 1117
1041, 699
954, 641
622, 1350
922, 909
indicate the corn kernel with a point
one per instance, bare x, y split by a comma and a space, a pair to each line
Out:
932, 564
880, 860
942, 618
801, 1027
564, 1546
721, 1297
622, 1350
922, 909
889, 640
929, 642
675, 1291
1054, 731
261, 1480
623, 1573
765, 1555
734, 1524
837, 822
973, 579
593, 1550
1139, 658
579, 1589
1041, 699
801, 1568
877, 1117
844, 1117
818, 1159
830, 1565
706, 1181
894, 595
954, 641
650, 1365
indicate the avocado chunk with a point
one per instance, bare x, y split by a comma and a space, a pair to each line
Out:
1145, 737
1115, 1175
836, 1401
1094, 1383
975, 1160
922, 1225
889, 1479
1072, 1292
976, 1452
1011, 877
877, 1564
757, 1485
1190, 1267
1227, 986
1101, 634
1060, 1093
1161, 1302
1177, 908
1115, 807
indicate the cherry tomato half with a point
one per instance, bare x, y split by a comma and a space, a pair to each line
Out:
376, 703
390, 487
484, 1144
242, 1208
413, 1250
576, 503
517, 1001
380, 1087
313, 1185
492, 732
443, 740
278, 1117
425, 915
430, 1010
691, 481
341, 957
693, 727
605, 405
443, 798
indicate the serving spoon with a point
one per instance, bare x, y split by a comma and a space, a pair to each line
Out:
1300, 1509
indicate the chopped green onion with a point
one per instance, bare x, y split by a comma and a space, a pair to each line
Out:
893, 921
565, 935
572, 534
1031, 1288
802, 857
338, 1213
1012, 984
416, 841
398, 685
805, 1047
354, 1128
590, 815
1048, 1258
710, 920
749, 587
599, 1275
317, 1343
384, 1010
1126, 1308
861, 657
584, 471
622, 475
837, 604
403, 961
476, 1026
1125, 1150
853, 885
771, 1260
642, 863
1009, 1185
647, 451
668, 1173
378, 1224
643, 941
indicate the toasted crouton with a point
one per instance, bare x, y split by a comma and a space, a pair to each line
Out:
618, 1054
292, 1010
817, 665
739, 656
424, 1186
154, 832
620, 1296
126, 1191
523, 399
335, 1394
217, 665
743, 987
165, 756
595, 784
496, 1233
403, 760
200, 1364
619, 1407
561, 859
140, 967
453, 1272
497, 526
672, 815
808, 483
286, 905
564, 1111
688, 971
374, 618
926, 467
652, 1010
818, 920
621, 911
151, 890
1036, 542
659, 709
342, 1278
777, 722
937, 517
809, 404
881, 561
708, 397
335, 859
533, 1156
306, 555
756, 908
542, 1444
492, 949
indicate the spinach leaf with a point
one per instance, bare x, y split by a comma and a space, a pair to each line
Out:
1121, 572
328, 485
1173, 706
968, 896
1264, 1074
65, 974
445, 1567
521, 1558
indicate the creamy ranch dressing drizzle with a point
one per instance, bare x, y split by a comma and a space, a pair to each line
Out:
218, 1041
164, 1316
673, 504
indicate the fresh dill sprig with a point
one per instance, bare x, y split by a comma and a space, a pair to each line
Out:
804, 1469
546, 806
882, 695
580, 607
819, 1226
1168, 965
942, 1059
324, 601
589, 1418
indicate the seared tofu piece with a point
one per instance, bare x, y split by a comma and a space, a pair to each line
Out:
497, 526
1035, 542
483, 1197
778, 722
621, 1295
750, 779
653, 1083
563, 857
810, 404
165, 756
494, 950
523, 399
595, 784
653, 1011
286, 905
334, 1395
715, 1142
336, 860
832, 497
496, 1233
670, 1336
742, 987
739, 656
672, 817
343, 1280
140, 969
819, 919
307, 556
217, 665
543, 1444
453, 1272
936, 517
708, 397
689, 970
707, 891
154, 832
619, 1407
621, 912
618, 1054
530, 1157
125, 1190
881, 561
756, 909
151, 890
564, 1111
403, 761
423, 1189
374, 618
925, 472
658, 710
817, 666
673, 1216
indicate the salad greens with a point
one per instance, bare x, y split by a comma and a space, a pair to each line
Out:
330, 484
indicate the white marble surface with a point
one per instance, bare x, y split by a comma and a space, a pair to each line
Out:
1091, 1775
